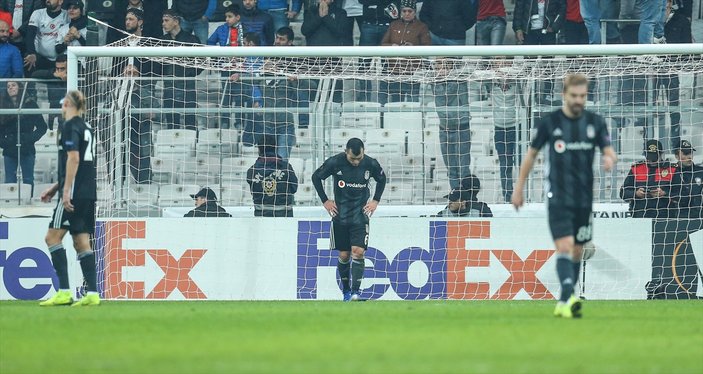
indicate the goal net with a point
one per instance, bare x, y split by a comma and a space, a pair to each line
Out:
174, 122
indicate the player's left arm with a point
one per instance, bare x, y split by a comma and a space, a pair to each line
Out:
606, 149
380, 177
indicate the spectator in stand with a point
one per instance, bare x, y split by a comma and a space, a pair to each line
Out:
449, 20
590, 13
284, 38
491, 23
324, 24
506, 99
21, 11
153, 10
651, 20
280, 11
678, 24
463, 201
178, 93
272, 181
7, 18
73, 33
537, 22
195, 16
407, 31
10, 57
452, 102
355, 12
31, 128
206, 205
248, 93
56, 87
575, 30
258, 21
229, 34
377, 17
43, 34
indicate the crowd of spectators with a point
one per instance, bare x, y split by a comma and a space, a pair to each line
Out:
35, 34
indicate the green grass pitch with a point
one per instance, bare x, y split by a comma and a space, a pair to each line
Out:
336, 337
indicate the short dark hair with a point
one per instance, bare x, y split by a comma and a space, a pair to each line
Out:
234, 9
266, 144
253, 38
61, 58
355, 145
138, 13
173, 14
287, 32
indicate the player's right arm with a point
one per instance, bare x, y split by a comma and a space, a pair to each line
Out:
538, 142
322, 173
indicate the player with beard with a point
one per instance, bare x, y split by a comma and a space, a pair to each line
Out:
571, 135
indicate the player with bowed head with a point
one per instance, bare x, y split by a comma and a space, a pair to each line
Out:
351, 209
571, 135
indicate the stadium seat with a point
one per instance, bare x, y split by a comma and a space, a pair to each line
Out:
213, 142
339, 138
12, 194
163, 170
482, 140
38, 189
303, 144
142, 195
234, 194
632, 141
298, 165
47, 143
45, 167
425, 143
360, 115
397, 194
175, 142
410, 119
306, 195
201, 170
390, 141
177, 195
434, 193
234, 169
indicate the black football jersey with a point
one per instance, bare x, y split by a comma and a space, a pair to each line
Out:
77, 135
351, 185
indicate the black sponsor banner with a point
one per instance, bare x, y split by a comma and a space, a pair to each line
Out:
674, 269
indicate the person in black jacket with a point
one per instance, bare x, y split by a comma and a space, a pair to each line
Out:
153, 11
31, 128
258, 21
324, 24
206, 205
272, 181
448, 20
178, 93
463, 202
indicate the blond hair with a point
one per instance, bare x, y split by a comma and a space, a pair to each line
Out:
575, 80
78, 100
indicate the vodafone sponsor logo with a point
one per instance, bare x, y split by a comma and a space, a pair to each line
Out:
560, 146
343, 184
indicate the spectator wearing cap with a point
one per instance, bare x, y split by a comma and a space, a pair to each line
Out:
463, 202
652, 186
152, 10
272, 181
10, 56
75, 32
691, 201
448, 20
406, 31
206, 205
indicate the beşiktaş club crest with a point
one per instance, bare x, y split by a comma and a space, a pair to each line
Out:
590, 131
559, 146
366, 175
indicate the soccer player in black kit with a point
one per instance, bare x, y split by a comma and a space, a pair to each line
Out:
350, 209
75, 210
571, 135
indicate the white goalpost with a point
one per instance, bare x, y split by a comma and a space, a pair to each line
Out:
173, 118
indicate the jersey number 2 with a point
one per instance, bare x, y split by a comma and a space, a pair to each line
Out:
91, 149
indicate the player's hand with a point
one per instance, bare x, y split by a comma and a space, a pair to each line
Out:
331, 207
370, 207
517, 200
30, 61
608, 163
640, 194
47, 195
67, 201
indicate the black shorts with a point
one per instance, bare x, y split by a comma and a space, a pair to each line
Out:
344, 237
576, 222
80, 221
